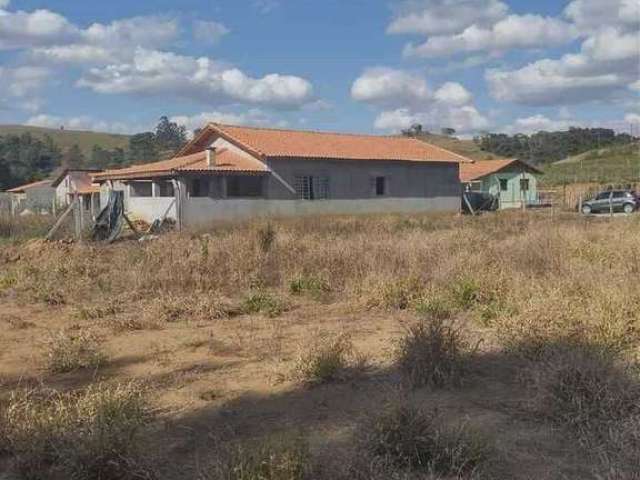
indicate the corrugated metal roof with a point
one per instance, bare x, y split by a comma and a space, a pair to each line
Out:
26, 186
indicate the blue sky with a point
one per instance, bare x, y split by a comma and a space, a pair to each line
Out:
346, 65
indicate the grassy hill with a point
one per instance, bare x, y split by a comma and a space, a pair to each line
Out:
67, 138
619, 164
468, 148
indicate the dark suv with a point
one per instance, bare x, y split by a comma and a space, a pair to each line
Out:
616, 200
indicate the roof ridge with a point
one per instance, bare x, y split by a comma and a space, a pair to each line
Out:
321, 132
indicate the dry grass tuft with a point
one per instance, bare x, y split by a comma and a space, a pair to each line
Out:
432, 353
69, 351
92, 434
404, 438
276, 458
328, 357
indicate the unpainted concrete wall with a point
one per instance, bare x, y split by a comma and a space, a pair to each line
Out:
201, 211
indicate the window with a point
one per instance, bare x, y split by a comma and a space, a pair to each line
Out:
504, 184
244, 186
603, 196
381, 186
199, 187
312, 187
165, 188
620, 195
475, 186
524, 184
140, 189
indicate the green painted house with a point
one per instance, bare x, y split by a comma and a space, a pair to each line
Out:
512, 181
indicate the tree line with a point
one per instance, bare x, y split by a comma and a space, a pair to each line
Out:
25, 158
546, 147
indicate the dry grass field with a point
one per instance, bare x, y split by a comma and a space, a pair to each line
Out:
367, 348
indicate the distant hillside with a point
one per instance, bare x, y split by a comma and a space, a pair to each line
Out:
67, 138
468, 148
617, 165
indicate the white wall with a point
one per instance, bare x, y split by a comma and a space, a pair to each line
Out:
150, 208
200, 211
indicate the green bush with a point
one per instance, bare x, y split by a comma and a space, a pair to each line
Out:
314, 286
327, 358
263, 302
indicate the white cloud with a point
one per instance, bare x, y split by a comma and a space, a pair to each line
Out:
512, 32
632, 118
408, 100
439, 17
163, 73
23, 81
389, 86
606, 65
591, 15
41, 27
101, 44
253, 116
452, 93
266, 6
209, 31
537, 123
82, 123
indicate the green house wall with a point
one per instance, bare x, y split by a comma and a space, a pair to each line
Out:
513, 196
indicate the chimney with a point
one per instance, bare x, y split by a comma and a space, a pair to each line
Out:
211, 156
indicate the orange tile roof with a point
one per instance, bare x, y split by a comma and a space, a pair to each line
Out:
264, 142
481, 168
225, 161
26, 186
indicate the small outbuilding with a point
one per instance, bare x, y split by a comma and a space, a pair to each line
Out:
232, 172
513, 182
78, 181
34, 197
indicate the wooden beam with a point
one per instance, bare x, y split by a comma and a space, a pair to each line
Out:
56, 226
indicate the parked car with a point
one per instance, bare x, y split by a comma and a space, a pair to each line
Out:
616, 200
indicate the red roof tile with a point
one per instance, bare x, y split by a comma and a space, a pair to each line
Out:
22, 188
225, 161
266, 142
481, 168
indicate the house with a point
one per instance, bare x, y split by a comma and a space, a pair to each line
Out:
232, 172
78, 181
513, 181
34, 197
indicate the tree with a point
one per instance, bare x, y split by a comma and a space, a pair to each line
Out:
448, 131
142, 148
170, 136
73, 157
414, 130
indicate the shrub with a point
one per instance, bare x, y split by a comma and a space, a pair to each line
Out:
93, 434
266, 237
586, 390
66, 352
432, 353
314, 286
96, 312
465, 292
397, 294
406, 438
263, 302
327, 358
269, 459
435, 306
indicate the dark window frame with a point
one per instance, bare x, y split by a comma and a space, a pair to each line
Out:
524, 184
380, 186
235, 189
312, 187
504, 184
135, 189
